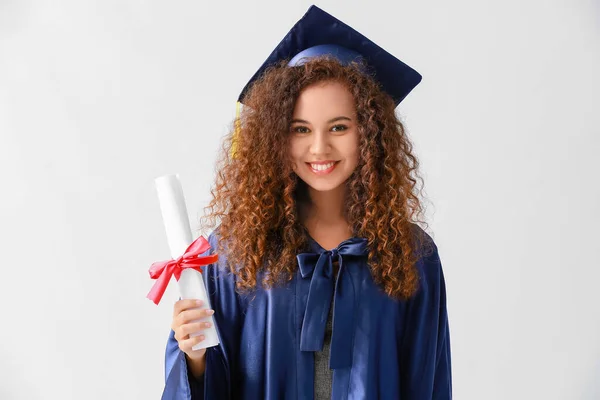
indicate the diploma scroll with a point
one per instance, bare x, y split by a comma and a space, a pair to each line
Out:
179, 237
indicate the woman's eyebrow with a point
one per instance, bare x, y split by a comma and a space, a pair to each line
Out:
329, 122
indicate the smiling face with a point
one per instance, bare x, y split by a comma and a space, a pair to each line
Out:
324, 136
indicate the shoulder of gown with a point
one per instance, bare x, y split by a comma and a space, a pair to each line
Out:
426, 362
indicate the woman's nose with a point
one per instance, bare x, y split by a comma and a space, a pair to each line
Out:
320, 143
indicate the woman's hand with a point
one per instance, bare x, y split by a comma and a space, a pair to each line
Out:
186, 314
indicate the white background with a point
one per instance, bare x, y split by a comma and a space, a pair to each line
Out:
97, 98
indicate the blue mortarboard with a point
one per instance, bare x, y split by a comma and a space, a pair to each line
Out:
319, 33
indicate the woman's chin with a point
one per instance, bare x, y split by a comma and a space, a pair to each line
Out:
323, 186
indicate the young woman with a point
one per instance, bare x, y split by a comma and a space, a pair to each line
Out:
325, 286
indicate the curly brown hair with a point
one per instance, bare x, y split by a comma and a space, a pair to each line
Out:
257, 195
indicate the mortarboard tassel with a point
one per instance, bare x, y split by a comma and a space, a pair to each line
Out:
237, 127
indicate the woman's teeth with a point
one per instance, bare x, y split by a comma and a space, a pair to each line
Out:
321, 167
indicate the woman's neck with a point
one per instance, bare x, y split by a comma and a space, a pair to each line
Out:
324, 218
326, 207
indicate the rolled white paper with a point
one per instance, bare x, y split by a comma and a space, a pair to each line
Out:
179, 236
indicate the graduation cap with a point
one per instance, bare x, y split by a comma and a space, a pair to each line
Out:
318, 33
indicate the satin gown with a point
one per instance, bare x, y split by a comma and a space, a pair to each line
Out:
381, 348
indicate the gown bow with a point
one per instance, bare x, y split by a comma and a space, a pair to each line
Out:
323, 286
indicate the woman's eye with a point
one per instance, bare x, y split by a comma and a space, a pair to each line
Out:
300, 129
339, 128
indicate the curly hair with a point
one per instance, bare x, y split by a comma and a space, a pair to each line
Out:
256, 196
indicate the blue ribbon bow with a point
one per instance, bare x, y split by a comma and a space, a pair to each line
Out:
320, 267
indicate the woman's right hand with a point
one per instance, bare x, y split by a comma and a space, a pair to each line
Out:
184, 312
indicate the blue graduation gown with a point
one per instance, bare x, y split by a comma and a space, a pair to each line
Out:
381, 348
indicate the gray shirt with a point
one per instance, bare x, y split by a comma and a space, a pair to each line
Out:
323, 375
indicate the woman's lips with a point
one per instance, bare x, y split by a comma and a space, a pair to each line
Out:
323, 171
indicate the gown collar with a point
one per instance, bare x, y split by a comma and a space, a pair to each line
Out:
315, 247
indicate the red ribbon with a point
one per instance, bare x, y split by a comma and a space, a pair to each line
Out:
163, 270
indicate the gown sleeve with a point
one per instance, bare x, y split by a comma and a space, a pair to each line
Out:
219, 376
426, 345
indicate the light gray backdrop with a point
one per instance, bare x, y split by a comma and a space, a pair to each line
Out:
97, 98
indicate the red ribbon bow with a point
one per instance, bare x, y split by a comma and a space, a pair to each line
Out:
163, 270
